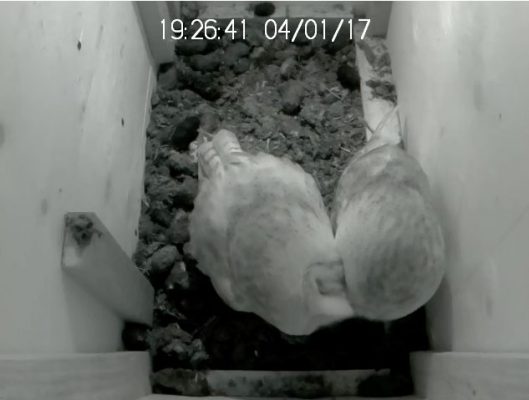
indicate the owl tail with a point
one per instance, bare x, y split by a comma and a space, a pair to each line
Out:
215, 155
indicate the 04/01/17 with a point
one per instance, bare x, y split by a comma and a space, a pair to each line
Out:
310, 29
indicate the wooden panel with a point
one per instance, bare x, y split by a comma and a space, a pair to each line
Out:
85, 138
95, 260
110, 376
463, 376
171, 397
240, 9
379, 13
248, 383
151, 14
369, 51
304, 384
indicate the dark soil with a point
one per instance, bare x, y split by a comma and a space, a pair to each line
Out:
286, 99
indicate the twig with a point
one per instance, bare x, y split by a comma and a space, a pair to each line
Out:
205, 326
364, 122
145, 202
334, 94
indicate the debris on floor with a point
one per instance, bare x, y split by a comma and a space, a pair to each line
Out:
263, 384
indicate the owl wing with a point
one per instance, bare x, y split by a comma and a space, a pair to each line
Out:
387, 234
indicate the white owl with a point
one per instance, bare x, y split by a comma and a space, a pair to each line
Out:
260, 231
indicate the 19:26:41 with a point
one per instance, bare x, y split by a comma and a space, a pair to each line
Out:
203, 30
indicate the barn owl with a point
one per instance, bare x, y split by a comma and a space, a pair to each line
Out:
386, 231
260, 231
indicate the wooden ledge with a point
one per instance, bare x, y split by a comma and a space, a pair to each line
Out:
95, 260
174, 397
109, 376
261, 384
462, 376
372, 60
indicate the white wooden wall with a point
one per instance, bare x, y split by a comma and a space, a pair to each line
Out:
463, 86
75, 86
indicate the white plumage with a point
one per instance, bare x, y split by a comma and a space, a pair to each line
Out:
387, 234
386, 229
260, 231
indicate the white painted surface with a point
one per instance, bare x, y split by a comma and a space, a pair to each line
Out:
102, 267
103, 376
471, 376
63, 148
461, 71
292, 9
152, 13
